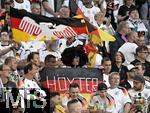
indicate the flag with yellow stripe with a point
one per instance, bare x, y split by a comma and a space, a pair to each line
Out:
26, 26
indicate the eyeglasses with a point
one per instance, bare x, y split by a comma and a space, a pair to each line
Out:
146, 52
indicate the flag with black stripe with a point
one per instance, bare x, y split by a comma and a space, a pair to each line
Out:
26, 26
74, 9
96, 35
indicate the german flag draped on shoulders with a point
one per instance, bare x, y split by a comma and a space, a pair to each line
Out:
26, 26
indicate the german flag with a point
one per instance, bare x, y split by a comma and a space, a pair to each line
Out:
74, 9
2, 18
96, 35
26, 26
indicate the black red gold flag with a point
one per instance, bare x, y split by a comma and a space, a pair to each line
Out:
74, 9
96, 34
26, 26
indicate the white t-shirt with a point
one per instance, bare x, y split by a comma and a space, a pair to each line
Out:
10, 53
121, 97
90, 13
121, 2
106, 80
137, 25
115, 12
98, 60
107, 104
147, 84
28, 47
25, 5
78, 2
129, 50
29, 85
145, 93
51, 5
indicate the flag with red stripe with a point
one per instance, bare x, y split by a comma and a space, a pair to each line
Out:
74, 9
2, 18
26, 26
96, 35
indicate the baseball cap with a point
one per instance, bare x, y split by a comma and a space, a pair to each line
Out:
102, 86
130, 67
139, 78
116, 2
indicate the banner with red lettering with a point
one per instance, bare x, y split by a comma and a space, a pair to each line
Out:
59, 79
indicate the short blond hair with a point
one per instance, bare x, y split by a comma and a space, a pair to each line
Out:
99, 14
121, 25
112, 74
34, 5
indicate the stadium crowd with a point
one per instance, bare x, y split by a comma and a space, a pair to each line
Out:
125, 62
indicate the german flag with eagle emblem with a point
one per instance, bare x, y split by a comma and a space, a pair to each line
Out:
26, 26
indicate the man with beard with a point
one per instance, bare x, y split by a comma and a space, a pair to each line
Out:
128, 83
139, 92
138, 87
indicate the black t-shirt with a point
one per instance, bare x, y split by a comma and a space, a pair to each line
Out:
140, 2
123, 9
13, 88
125, 84
10, 84
122, 71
